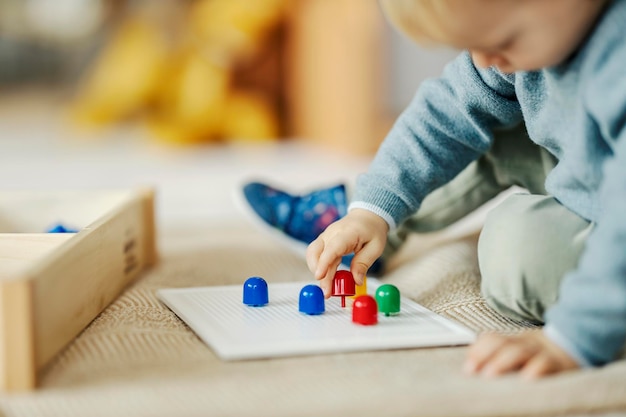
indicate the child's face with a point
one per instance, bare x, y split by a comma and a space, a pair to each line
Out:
511, 35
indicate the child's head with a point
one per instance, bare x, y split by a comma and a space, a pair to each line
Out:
509, 34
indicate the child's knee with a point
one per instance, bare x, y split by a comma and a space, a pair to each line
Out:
516, 261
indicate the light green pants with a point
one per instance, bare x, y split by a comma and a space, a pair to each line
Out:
528, 242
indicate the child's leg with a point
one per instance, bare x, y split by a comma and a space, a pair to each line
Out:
513, 160
527, 244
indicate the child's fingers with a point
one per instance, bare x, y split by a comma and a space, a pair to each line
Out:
547, 362
481, 352
326, 282
330, 258
510, 357
362, 261
531, 353
313, 254
318, 264
539, 365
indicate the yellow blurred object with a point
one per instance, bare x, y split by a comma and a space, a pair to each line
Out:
196, 79
247, 117
193, 96
234, 28
169, 131
125, 77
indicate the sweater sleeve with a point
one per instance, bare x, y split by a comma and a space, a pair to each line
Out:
591, 311
590, 316
448, 124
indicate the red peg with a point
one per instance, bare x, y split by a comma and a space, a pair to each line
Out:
343, 285
365, 310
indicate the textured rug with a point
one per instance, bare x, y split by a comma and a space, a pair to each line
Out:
139, 359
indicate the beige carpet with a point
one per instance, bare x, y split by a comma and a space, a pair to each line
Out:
138, 359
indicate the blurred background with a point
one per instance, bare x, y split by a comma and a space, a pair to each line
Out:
195, 97
215, 71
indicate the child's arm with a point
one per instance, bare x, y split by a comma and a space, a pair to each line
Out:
589, 319
448, 125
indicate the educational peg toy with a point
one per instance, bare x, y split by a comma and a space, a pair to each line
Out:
343, 285
311, 300
365, 310
361, 289
388, 299
255, 293
235, 331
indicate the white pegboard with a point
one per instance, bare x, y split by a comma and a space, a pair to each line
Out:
237, 331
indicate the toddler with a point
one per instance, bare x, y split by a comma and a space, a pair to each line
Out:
537, 99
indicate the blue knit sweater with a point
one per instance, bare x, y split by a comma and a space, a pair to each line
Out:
577, 111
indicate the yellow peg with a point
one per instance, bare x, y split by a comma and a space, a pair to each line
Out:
361, 289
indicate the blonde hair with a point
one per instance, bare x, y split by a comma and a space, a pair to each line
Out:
423, 20
430, 21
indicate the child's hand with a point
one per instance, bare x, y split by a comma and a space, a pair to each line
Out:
361, 232
531, 353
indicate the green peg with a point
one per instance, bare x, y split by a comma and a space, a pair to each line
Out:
388, 299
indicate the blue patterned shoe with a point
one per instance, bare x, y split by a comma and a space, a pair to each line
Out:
297, 220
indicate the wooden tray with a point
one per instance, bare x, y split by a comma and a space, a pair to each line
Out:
52, 285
